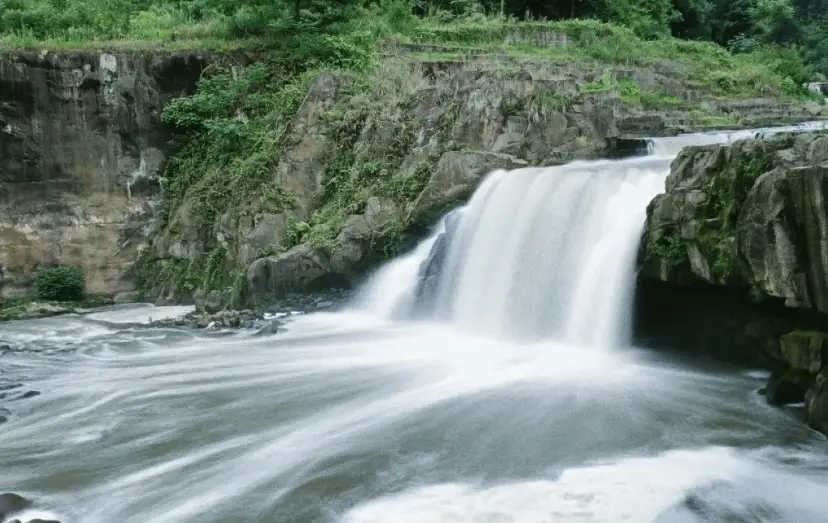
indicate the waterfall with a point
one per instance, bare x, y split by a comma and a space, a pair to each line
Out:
541, 252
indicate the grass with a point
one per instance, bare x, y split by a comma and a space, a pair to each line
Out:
707, 64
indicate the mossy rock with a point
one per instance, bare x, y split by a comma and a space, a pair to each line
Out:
805, 350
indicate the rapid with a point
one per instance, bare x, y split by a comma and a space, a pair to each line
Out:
508, 393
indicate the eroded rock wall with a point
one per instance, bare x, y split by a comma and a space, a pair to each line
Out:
81, 145
735, 261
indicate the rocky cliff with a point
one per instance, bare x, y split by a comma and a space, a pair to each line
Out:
81, 144
736, 263
367, 164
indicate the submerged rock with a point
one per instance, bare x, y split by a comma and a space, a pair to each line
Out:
12, 503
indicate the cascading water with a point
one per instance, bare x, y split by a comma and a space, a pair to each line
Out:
545, 252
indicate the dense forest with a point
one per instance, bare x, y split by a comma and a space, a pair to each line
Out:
741, 26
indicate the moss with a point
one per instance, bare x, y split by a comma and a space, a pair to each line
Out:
805, 350
668, 248
213, 273
727, 191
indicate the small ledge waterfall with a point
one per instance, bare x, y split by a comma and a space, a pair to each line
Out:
540, 252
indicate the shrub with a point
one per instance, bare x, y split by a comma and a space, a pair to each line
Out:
60, 284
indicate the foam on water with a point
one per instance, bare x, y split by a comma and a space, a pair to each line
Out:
602, 494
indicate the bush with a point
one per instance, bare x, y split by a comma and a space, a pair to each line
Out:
60, 284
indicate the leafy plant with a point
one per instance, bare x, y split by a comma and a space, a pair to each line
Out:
60, 284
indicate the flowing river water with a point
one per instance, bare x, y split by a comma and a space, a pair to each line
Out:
517, 399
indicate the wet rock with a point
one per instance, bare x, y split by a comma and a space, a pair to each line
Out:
326, 304
455, 178
12, 503
719, 502
271, 328
127, 297
43, 521
788, 387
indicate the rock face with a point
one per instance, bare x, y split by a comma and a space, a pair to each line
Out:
435, 136
81, 142
368, 164
735, 261
806, 353
750, 215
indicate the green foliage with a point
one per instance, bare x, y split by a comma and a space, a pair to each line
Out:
214, 269
669, 248
60, 284
727, 191
236, 128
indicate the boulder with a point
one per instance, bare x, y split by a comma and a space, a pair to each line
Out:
300, 269
455, 178
742, 227
208, 301
750, 214
127, 297
12, 503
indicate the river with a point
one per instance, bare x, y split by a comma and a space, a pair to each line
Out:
518, 400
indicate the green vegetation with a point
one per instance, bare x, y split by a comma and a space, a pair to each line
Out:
60, 284
727, 192
668, 248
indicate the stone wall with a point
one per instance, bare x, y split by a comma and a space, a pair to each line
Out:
81, 144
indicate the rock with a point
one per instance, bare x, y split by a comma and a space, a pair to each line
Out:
455, 178
785, 388
127, 297
83, 191
271, 328
212, 302
805, 350
736, 243
326, 304
12, 503
43, 521
745, 215
302, 268
814, 108
816, 403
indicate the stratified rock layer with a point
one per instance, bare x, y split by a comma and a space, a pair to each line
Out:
81, 142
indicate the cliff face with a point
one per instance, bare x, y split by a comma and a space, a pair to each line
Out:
81, 143
368, 164
736, 262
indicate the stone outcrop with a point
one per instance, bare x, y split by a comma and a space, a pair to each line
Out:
440, 129
735, 262
81, 143
806, 353
750, 215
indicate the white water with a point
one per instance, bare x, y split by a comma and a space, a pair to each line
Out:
360, 418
